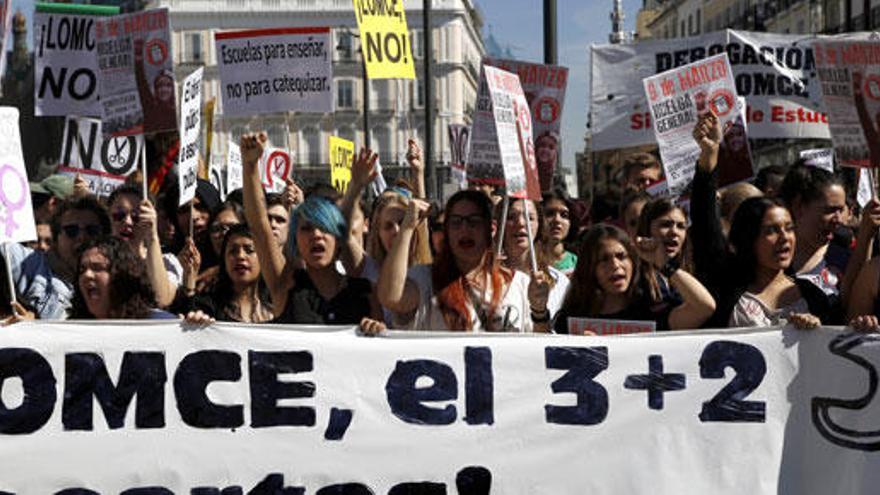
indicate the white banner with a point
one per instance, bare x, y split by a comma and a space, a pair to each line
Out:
16, 210
104, 163
275, 70
776, 73
110, 407
191, 130
136, 75
66, 65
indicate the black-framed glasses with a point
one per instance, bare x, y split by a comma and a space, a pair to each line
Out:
472, 221
74, 230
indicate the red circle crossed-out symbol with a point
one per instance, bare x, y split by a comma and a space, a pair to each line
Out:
277, 165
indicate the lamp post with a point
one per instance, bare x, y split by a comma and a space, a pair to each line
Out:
365, 82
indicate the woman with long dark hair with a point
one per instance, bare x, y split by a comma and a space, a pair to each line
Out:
557, 230
466, 289
609, 283
112, 283
665, 223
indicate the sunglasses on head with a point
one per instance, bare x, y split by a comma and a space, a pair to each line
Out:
74, 230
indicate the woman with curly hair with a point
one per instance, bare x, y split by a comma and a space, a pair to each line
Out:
112, 283
466, 289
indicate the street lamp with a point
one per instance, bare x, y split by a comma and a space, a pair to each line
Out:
365, 87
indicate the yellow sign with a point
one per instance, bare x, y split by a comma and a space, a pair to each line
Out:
341, 158
385, 42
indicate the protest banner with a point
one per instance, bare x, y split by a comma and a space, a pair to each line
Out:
341, 160
502, 151
595, 326
820, 158
850, 75
275, 168
544, 87
191, 130
136, 73
776, 73
145, 407
459, 143
385, 42
275, 70
677, 98
65, 65
104, 163
234, 171
16, 210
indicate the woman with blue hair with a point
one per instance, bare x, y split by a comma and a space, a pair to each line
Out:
317, 293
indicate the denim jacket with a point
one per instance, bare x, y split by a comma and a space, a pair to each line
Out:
38, 287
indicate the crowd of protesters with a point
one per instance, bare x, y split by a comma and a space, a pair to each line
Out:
789, 248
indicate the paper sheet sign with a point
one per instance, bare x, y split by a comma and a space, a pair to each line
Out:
580, 326
275, 168
103, 163
820, 158
385, 42
16, 211
191, 129
234, 171
341, 159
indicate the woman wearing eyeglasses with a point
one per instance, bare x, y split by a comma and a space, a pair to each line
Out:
466, 289
318, 293
134, 220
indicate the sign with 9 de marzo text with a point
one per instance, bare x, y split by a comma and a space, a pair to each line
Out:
385, 42
275, 70
155, 409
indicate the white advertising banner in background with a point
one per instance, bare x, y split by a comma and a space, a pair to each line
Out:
191, 131
104, 163
16, 210
116, 406
776, 73
65, 65
677, 98
275, 70
850, 76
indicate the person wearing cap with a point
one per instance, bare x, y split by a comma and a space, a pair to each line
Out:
48, 193
44, 280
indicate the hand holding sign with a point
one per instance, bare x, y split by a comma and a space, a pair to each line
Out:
539, 292
292, 194
414, 157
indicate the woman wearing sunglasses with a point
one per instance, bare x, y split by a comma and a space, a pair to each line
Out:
134, 220
318, 293
466, 289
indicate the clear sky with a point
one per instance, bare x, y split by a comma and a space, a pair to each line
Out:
519, 23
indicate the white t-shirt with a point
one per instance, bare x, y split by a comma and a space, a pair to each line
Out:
752, 312
512, 315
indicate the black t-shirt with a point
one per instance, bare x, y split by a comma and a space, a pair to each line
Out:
306, 306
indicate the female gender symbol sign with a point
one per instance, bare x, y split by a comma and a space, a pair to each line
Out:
9, 205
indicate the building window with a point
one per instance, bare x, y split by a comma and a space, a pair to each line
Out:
418, 47
690, 24
683, 32
418, 94
194, 47
345, 46
310, 155
346, 133
699, 20
276, 136
345, 93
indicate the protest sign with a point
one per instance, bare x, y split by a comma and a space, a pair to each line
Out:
385, 42
820, 158
145, 407
136, 73
594, 326
65, 65
341, 160
460, 143
103, 163
275, 168
234, 172
850, 76
867, 190
275, 70
776, 73
502, 151
16, 211
544, 88
191, 129
677, 98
